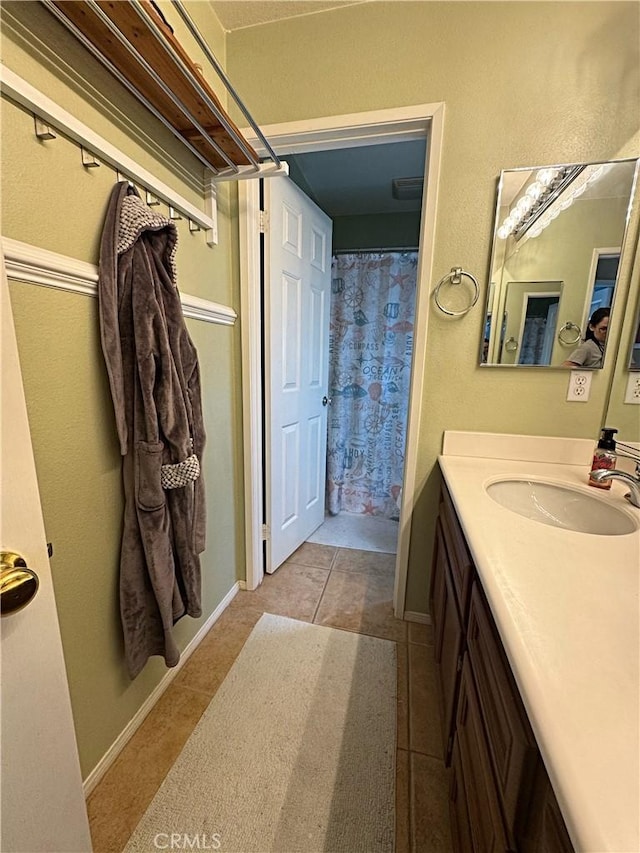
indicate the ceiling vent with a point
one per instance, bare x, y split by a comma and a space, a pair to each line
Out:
407, 189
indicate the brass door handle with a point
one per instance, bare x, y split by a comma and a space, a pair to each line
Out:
18, 584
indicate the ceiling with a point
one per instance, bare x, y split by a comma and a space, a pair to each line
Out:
238, 14
356, 181
343, 182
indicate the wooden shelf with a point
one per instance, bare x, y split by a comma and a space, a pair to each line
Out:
155, 44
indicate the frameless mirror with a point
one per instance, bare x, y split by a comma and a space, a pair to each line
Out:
557, 242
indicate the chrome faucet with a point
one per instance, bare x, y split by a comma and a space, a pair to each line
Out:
603, 474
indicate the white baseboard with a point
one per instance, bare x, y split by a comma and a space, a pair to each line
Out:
412, 616
134, 724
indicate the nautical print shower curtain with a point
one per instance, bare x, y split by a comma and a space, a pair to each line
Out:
370, 346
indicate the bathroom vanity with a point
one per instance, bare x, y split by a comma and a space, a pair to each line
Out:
537, 647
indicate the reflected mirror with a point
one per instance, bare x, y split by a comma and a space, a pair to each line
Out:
557, 242
634, 358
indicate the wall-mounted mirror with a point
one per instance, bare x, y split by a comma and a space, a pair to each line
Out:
558, 237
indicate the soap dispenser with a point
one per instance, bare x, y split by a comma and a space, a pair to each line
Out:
604, 457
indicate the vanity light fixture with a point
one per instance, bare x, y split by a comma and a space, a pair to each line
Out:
579, 184
536, 198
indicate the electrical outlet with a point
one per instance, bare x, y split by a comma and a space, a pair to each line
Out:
579, 386
632, 394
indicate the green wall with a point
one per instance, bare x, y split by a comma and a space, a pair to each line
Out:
524, 84
49, 200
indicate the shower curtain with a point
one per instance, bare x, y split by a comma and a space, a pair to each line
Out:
370, 346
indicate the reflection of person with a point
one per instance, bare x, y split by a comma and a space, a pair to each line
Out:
589, 353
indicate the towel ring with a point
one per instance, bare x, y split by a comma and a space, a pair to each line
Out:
455, 276
511, 344
568, 326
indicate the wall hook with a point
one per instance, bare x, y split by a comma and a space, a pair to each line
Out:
88, 159
43, 131
121, 177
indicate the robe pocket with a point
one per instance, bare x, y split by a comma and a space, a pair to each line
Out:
149, 491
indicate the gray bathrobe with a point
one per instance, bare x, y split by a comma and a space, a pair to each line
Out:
155, 385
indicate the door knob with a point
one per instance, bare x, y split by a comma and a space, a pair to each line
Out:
326, 401
18, 584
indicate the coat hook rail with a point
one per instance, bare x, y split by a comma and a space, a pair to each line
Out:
52, 121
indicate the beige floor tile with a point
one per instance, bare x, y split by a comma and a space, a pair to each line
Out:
292, 591
121, 798
424, 712
312, 554
430, 826
403, 844
363, 603
208, 665
422, 634
403, 696
365, 562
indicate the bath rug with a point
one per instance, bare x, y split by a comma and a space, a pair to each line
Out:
296, 751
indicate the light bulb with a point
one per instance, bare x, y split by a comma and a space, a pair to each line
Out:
546, 176
534, 191
503, 232
524, 205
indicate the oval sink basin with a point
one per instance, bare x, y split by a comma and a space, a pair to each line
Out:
561, 506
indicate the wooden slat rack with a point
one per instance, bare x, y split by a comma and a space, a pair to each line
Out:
136, 44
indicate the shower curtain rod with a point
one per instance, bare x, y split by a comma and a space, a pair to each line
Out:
374, 251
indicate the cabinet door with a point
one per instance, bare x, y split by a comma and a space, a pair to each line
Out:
544, 830
460, 562
511, 743
485, 820
459, 816
449, 641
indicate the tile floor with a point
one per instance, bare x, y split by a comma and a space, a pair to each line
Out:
352, 530
340, 587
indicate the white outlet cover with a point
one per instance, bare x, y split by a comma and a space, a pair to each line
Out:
579, 386
632, 394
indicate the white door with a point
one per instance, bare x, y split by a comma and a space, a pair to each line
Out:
42, 807
297, 292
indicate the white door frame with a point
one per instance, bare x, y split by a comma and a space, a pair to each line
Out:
597, 253
342, 131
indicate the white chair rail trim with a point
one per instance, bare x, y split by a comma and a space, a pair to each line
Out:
33, 265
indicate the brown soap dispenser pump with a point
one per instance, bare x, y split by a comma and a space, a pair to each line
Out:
604, 457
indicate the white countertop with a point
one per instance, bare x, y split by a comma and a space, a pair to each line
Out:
567, 607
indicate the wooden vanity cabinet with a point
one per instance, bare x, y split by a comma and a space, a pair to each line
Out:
448, 640
449, 600
544, 829
485, 823
510, 741
500, 795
